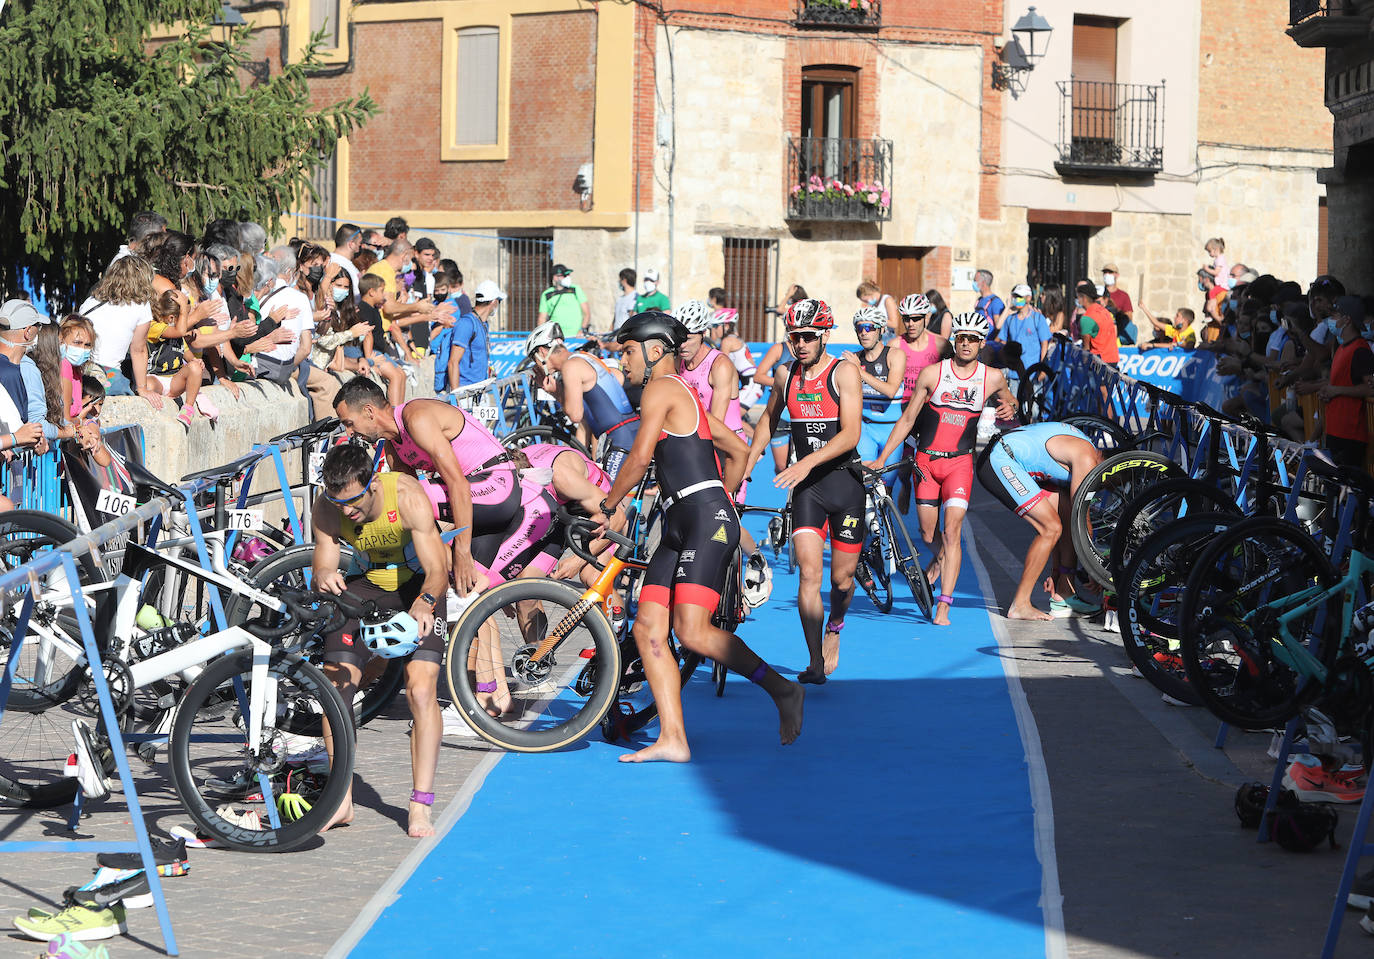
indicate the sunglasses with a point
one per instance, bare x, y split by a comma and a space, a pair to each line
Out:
967, 338
376, 461
865, 327
804, 337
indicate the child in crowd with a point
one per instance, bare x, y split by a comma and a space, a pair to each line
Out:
1215, 275
105, 465
77, 336
1183, 331
170, 371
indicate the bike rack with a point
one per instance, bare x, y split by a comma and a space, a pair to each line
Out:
64, 558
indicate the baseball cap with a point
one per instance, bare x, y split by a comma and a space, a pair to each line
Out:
19, 315
1021, 289
560, 270
1110, 268
651, 274
1351, 306
487, 292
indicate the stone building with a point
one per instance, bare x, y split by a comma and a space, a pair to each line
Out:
1342, 29
753, 144
1134, 139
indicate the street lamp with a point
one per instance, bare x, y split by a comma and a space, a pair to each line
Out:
1030, 39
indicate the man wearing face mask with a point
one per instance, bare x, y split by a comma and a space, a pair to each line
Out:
1351, 383
19, 323
422, 290
1121, 300
565, 304
1027, 326
652, 298
461, 354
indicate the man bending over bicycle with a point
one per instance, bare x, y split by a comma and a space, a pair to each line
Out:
1034, 471
591, 393
682, 584
387, 520
823, 399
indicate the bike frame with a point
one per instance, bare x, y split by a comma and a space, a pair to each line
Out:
1293, 653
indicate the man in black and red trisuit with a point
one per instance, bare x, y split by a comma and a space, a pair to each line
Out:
682, 585
823, 398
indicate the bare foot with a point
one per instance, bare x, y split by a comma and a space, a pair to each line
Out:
941, 614
420, 826
660, 752
342, 816
497, 704
830, 650
1028, 611
790, 713
933, 572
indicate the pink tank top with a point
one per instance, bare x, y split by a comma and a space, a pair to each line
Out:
699, 379
542, 455
473, 447
916, 361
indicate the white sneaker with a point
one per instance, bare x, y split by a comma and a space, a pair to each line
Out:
455, 604
454, 724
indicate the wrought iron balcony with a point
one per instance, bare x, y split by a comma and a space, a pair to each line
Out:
840, 14
839, 179
1325, 23
1111, 129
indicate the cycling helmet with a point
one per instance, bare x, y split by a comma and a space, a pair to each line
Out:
695, 315
652, 325
871, 314
725, 316
546, 334
1300, 827
393, 637
915, 304
758, 582
974, 322
809, 315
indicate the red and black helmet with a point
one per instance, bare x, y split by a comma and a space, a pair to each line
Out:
809, 315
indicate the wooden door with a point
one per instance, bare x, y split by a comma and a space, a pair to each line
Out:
899, 270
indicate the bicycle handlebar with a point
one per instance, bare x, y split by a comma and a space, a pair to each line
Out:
578, 532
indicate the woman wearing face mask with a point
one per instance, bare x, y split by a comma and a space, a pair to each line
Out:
77, 336
871, 296
333, 347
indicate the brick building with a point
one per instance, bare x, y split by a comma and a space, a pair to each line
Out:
726, 143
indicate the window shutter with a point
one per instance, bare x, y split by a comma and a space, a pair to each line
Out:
479, 85
1094, 49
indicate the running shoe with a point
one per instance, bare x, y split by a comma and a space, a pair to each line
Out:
166, 852
1316, 784
454, 724
194, 838
1082, 606
1362, 893
80, 923
1060, 609
89, 772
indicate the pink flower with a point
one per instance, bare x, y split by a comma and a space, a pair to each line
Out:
796, 189
886, 199
849, 190
872, 198
876, 185
815, 181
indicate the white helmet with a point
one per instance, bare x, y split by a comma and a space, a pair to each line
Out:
974, 322
546, 335
871, 314
758, 582
915, 304
391, 638
695, 315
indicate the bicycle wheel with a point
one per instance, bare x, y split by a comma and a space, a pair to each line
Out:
873, 574
1034, 395
554, 669
36, 734
634, 706
1231, 644
223, 783
1106, 435
908, 560
290, 568
718, 674
1101, 499
1157, 507
1148, 592
530, 435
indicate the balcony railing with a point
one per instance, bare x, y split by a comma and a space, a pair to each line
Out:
840, 14
839, 179
1111, 129
1325, 23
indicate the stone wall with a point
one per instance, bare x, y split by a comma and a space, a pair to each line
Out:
264, 410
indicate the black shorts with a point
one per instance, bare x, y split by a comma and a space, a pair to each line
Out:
700, 536
832, 503
345, 644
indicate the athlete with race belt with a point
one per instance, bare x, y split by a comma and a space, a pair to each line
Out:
823, 400
683, 582
943, 416
881, 370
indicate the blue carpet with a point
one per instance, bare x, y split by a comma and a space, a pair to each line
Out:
899, 824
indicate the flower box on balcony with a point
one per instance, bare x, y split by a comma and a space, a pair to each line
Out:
839, 14
818, 199
839, 179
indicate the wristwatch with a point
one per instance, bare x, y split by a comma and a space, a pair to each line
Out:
606, 508
429, 599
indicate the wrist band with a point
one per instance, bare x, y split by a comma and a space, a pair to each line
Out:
424, 799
